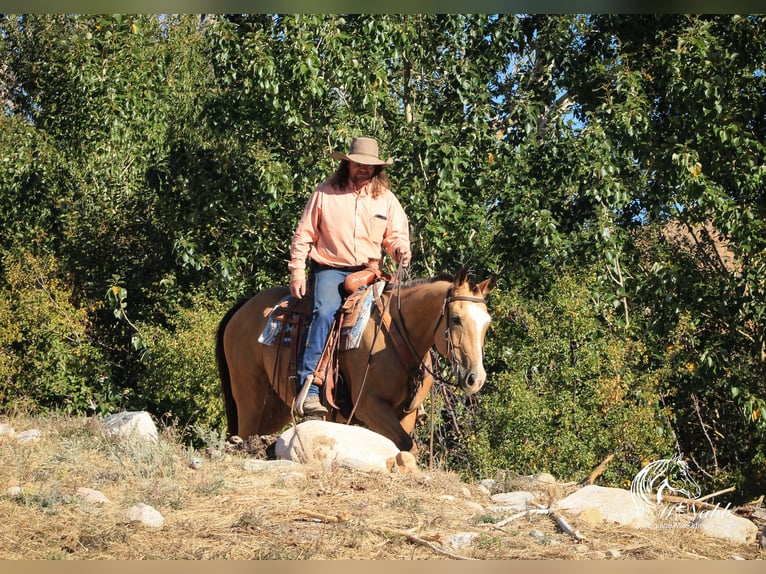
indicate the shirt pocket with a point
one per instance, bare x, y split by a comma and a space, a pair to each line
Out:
378, 224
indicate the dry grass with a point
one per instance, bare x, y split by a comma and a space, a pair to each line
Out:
222, 511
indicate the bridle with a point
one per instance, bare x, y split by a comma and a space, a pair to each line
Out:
450, 298
445, 312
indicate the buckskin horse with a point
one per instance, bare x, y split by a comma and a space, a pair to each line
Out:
447, 312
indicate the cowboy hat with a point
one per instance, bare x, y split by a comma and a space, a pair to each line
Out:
362, 150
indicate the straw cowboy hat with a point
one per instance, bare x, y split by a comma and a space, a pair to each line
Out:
362, 150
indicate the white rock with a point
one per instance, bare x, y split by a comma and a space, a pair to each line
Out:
615, 504
329, 443
461, 539
544, 478
145, 514
721, 523
519, 499
15, 491
132, 424
92, 495
6, 430
31, 435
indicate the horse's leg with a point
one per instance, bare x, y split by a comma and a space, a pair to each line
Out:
378, 415
249, 394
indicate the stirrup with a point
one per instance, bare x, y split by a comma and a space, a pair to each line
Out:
301, 398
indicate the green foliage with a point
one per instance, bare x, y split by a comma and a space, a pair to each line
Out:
158, 164
181, 381
48, 359
566, 390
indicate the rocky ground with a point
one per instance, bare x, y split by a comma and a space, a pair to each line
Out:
70, 490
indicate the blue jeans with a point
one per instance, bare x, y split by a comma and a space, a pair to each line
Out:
328, 297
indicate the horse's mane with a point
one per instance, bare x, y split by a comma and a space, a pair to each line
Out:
443, 276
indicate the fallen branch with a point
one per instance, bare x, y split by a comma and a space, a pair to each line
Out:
598, 471
564, 525
690, 501
418, 540
324, 517
519, 515
557, 518
724, 491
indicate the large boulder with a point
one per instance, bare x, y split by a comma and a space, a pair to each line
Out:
720, 523
329, 444
613, 504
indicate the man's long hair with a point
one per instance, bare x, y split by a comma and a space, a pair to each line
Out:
380, 181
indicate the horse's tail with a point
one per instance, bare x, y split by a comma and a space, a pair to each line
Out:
232, 422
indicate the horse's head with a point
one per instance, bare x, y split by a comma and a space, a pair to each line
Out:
464, 324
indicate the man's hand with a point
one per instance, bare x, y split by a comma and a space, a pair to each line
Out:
298, 288
403, 256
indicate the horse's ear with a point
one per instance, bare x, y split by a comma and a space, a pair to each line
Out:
487, 285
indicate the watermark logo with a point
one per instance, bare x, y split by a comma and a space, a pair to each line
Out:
667, 489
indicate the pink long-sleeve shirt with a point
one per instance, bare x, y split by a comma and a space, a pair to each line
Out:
347, 228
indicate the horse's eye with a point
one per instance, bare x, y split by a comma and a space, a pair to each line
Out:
456, 321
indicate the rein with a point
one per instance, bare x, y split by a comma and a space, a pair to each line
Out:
407, 339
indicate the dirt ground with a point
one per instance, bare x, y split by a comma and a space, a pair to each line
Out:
217, 507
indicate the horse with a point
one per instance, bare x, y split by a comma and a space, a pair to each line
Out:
446, 312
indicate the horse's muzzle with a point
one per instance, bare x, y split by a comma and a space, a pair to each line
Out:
471, 380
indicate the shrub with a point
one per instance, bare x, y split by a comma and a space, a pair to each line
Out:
565, 390
48, 358
181, 380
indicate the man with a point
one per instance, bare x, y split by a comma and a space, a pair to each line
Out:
348, 223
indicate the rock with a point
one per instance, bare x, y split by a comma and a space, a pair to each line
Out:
15, 491
6, 430
92, 495
195, 463
145, 514
31, 435
721, 523
328, 443
591, 516
543, 478
518, 500
762, 541
614, 504
461, 539
132, 424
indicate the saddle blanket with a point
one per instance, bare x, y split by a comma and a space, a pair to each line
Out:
352, 334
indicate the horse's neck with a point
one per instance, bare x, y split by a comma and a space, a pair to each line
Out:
418, 311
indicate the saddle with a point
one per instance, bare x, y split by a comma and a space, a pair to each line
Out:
295, 314
292, 316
